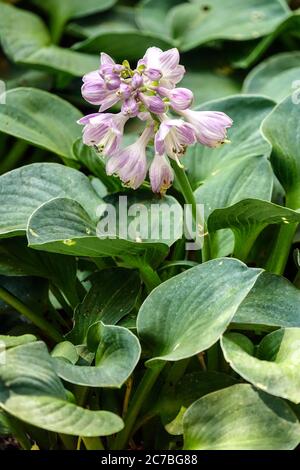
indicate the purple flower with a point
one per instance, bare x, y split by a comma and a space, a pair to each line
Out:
104, 131
130, 164
108, 65
173, 136
161, 174
147, 93
130, 107
210, 126
166, 63
93, 87
112, 81
124, 91
95, 91
180, 98
137, 81
154, 103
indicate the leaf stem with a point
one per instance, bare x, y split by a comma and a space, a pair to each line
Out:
277, 261
17, 429
136, 404
149, 276
93, 443
35, 318
189, 198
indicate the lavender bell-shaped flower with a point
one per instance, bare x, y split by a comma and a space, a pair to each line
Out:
161, 174
103, 131
210, 126
180, 98
163, 66
173, 136
130, 164
154, 103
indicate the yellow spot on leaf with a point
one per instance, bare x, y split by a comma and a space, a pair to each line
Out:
69, 242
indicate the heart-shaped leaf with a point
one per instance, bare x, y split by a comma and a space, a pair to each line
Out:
63, 226
274, 367
187, 314
247, 219
276, 77
240, 418
31, 391
25, 40
118, 351
273, 302
113, 295
39, 118
23, 190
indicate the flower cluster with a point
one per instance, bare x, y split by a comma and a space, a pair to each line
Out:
149, 92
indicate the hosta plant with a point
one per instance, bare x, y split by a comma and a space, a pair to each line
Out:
149, 269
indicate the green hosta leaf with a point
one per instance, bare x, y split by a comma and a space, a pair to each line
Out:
117, 353
119, 19
23, 190
67, 351
13, 341
187, 314
4, 425
273, 302
152, 16
63, 226
113, 295
39, 117
58, 59
209, 83
213, 19
236, 171
19, 76
248, 218
290, 26
276, 77
275, 366
193, 385
282, 128
134, 44
16, 259
67, 9
247, 112
25, 40
31, 391
240, 418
